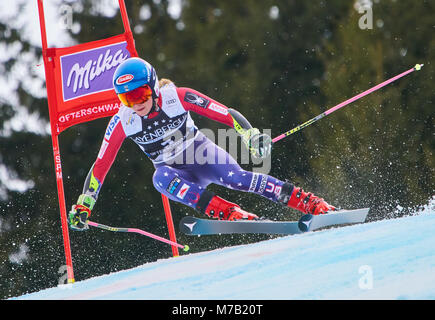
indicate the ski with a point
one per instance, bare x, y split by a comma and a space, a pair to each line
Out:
309, 222
196, 226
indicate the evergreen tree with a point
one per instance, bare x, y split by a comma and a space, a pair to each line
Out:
26, 179
279, 64
377, 152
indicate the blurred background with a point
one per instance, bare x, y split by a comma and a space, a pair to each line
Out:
279, 63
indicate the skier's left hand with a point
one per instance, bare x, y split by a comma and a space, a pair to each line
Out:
259, 144
80, 212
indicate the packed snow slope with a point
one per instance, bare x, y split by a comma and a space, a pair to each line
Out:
389, 259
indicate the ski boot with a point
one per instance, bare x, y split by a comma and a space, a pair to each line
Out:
306, 202
218, 208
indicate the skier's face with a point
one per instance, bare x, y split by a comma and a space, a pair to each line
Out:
142, 109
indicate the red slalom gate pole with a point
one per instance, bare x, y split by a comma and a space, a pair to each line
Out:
130, 41
170, 222
55, 141
166, 204
62, 206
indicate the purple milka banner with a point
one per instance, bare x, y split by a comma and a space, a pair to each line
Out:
91, 71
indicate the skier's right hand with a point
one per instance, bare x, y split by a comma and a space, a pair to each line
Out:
80, 212
258, 144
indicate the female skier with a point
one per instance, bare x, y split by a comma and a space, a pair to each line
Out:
155, 115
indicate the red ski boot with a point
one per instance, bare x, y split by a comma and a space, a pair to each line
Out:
225, 210
308, 202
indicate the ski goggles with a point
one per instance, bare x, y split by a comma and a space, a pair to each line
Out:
136, 96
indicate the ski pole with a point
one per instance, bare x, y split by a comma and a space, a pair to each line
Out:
417, 67
134, 230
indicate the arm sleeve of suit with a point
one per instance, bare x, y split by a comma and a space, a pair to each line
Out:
199, 103
113, 139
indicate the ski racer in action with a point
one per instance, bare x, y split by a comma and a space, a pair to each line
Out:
155, 115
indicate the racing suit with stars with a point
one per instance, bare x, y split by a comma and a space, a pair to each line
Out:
186, 161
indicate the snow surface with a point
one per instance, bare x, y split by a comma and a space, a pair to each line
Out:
389, 259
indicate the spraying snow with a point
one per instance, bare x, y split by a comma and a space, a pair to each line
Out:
389, 259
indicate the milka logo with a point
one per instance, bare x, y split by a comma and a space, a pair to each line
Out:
92, 69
